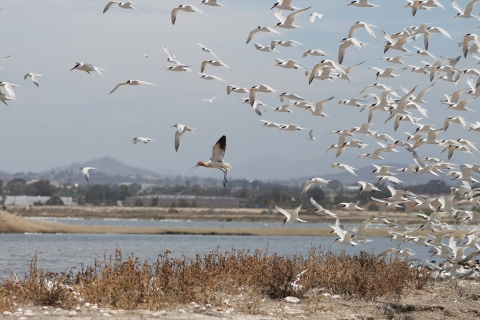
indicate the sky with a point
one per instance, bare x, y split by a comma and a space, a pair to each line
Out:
73, 118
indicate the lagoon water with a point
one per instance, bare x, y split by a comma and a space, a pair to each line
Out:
61, 252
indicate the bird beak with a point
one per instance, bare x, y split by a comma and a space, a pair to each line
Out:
272, 7
72, 68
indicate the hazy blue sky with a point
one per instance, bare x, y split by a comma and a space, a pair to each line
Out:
72, 118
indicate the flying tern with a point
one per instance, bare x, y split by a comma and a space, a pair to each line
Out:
186, 8
33, 76
131, 83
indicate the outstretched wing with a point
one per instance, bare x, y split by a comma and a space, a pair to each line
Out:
285, 213
118, 86
108, 6
218, 151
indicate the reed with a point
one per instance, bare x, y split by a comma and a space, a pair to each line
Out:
128, 283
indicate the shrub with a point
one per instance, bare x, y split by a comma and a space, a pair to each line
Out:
131, 283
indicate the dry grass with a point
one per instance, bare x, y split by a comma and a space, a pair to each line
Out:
131, 284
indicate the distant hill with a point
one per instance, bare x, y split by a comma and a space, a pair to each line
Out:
108, 166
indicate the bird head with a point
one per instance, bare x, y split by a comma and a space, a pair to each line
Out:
199, 164
278, 24
276, 4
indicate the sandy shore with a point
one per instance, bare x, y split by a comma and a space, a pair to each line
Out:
450, 300
198, 214
11, 223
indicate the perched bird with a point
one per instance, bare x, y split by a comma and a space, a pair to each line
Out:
33, 76
216, 161
181, 128
131, 83
86, 171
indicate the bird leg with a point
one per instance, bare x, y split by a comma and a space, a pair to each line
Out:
224, 176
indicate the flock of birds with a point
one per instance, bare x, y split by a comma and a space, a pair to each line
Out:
405, 105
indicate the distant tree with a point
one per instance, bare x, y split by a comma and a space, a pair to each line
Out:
182, 203
316, 193
138, 203
335, 185
39, 188
54, 201
15, 187
242, 193
154, 202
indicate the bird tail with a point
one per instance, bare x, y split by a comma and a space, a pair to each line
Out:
192, 130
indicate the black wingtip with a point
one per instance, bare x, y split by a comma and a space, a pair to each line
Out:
223, 142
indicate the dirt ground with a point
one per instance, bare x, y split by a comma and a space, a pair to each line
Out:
456, 299
205, 214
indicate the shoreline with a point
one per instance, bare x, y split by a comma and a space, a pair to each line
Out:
14, 224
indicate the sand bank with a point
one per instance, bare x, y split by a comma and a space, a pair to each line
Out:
10, 223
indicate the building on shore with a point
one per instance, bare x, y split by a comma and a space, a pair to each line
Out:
33, 200
180, 200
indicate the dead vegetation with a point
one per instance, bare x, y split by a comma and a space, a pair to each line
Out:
131, 284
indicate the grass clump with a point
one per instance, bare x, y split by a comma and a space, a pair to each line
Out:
131, 284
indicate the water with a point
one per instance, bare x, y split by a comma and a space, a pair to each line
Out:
179, 223
60, 252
